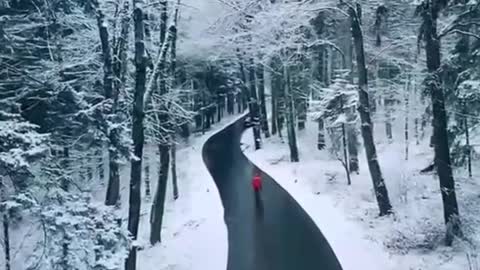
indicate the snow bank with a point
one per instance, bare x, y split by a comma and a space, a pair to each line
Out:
348, 215
194, 234
352, 250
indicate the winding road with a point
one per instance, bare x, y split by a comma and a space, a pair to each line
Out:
269, 232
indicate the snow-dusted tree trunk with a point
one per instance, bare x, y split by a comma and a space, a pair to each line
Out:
260, 78
146, 160
100, 168
417, 104
244, 94
137, 134
469, 149
388, 119
253, 105
114, 68
6, 241
352, 143
292, 139
321, 134
173, 67
113, 187
352, 129
173, 152
156, 214
6, 229
442, 160
275, 87
345, 154
156, 217
65, 186
364, 111
407, 112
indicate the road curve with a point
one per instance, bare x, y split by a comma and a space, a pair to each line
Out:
270, 232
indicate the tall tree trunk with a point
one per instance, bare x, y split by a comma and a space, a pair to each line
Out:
467, 138
6, 241
156, 216
263, 106
388, 119
344, 143
6, 230
416, 120
345, 154
407, 119
274, 90
113, 188
302, 113
100, 168
137, 134
254, 108
148, 192
321, 134
379, 186
281, 102
65, 186
113, 81
352, 144
440, 138
274, 118
163, 20
292, 139
173, 151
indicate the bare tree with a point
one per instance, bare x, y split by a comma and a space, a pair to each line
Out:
379, 186
137, 133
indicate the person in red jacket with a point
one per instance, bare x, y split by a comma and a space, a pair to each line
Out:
257, 182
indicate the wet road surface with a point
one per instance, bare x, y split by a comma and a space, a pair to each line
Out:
266, 232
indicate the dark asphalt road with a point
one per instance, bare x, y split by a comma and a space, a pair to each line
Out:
271, 232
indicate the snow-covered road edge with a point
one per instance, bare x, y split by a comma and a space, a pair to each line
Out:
194, 233
352, 250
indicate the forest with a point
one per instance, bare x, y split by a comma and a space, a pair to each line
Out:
105, 106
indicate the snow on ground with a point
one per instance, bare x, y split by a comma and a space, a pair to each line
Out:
348, 215
194, 234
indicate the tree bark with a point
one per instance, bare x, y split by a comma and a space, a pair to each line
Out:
253, 104
407, 119
113, 187
173, 151
292, 139
379, 186
111, 69
6, 229
65, 186
274, 90
6, 241
137, 134
302, 113
100, 169
321, 134
467, 140
345, 154
146, 160
440, 138
352, 144
263, 106
156, 216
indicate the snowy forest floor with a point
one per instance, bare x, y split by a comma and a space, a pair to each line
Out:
411, 239
194, 235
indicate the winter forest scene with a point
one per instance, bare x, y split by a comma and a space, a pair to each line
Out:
239, 134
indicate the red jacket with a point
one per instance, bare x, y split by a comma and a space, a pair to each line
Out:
257, 183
